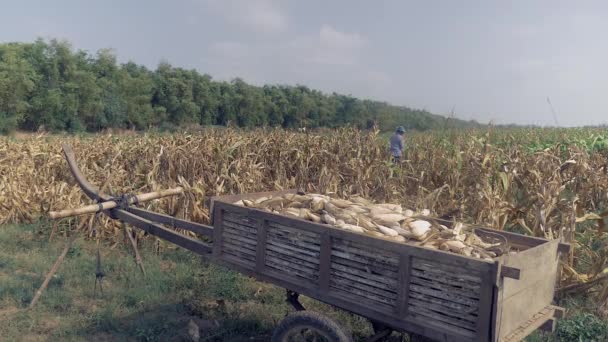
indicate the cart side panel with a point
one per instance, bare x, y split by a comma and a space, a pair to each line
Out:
433, 293
520, 299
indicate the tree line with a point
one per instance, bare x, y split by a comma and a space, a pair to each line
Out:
47, 85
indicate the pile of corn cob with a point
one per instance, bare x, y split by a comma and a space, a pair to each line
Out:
381, 220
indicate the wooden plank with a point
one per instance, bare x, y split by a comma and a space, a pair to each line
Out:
240, 253
284, 269
510, 272
231, 198
242, 240
290, 230
449, 305
471, 275
293, 260
404, 274
365, 279
391, 295
519, 308
442, 277
293, 242
391, 259
364, 265
337, 285
183, 241
237, 254
524, 240
445, 287
437, 317
294, 251
229, 240
261, 246
356, 272
486, 298
242, 228
218, 212
241, 219
221, 199
296, 267
538, 263
449, 296
470, 318
325, 262
198, 228
540, 320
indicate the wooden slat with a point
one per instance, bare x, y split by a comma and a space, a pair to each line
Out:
240, 219
183, 241
296, 267
294, 242
364, 265
466, 319
325, 262
445, 288
486, 297
293, 260
364, 278
404, 277
242, 228
443, 279
294, 251
387, 281
281, 267
172, 221
229, 240
261, 246
364, 251
218, 212
338, 285
459, 274
447, 295
243, 240
291, 230
437, 318
447, 304
536, 321
373, 290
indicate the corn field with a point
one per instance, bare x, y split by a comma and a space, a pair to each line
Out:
543, 182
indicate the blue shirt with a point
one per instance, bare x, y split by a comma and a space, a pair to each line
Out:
396, 145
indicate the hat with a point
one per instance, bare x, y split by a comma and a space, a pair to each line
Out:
400, 129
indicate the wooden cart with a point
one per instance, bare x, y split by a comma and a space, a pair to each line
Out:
429, 293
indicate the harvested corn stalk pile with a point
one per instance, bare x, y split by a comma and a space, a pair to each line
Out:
381, 220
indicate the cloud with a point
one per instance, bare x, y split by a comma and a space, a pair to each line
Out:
329, 47
261, 16
329, 37
229, 49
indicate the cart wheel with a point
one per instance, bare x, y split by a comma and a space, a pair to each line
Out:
309, 326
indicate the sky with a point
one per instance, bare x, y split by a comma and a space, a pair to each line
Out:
491, 61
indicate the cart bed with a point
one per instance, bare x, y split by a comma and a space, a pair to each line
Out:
437, 294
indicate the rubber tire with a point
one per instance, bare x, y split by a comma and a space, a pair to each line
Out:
310, 319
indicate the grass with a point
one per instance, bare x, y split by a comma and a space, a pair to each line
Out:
178, 287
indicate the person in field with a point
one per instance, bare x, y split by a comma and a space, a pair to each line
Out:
396, 143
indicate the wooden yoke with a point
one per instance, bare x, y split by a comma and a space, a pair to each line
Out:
111, 204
